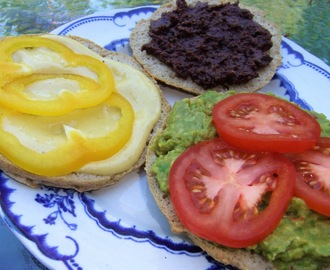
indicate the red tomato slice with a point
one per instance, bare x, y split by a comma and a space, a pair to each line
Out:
217, 192
260, 122
313, 176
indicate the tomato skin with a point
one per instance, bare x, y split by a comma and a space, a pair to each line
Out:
260, 122
207, 191
313, 167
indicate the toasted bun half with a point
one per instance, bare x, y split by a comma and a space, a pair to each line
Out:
164, 73
239, 258
78, 180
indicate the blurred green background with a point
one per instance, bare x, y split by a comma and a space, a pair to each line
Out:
307, 22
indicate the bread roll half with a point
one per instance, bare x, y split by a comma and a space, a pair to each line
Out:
78, 180
164, 73
240, 258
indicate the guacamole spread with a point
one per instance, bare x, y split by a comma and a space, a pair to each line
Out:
189, 122
302, 239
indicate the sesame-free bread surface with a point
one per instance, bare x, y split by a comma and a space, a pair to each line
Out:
164, 73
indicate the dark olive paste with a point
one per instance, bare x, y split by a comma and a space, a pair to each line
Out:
212, 45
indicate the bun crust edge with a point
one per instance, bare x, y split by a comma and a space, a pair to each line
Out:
162, 72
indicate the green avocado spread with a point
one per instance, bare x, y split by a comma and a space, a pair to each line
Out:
302, 239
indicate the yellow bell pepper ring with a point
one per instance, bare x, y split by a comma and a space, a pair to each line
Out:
12, 69
65, 93
78, 149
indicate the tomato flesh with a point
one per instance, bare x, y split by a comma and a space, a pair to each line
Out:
217, 192
260, 122
313, 176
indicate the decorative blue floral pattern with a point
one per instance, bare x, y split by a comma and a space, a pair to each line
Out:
132, 233
65, 213
62, 201
121, 231
15, 221
122, 19
296, 59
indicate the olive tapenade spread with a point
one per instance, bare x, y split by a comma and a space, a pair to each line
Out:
212, 45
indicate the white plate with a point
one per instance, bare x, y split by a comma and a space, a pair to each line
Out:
120, 227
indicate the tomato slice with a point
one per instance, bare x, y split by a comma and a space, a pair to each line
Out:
219, 192
261, 122
313, 176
